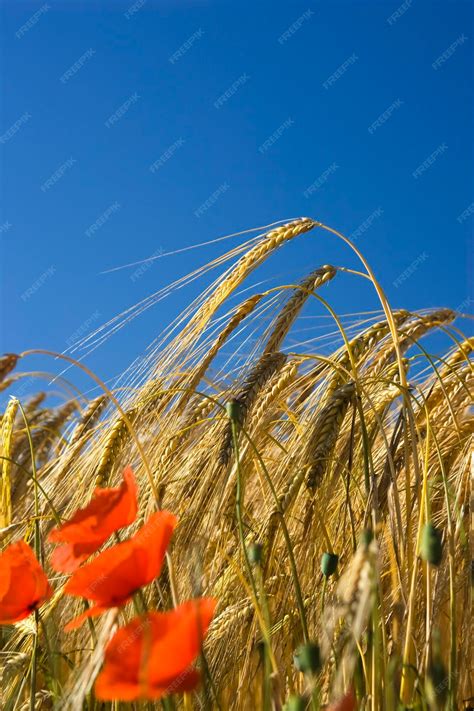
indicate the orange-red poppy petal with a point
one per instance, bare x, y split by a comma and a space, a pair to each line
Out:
179, 641
24, 585
109, 577
171, 638
85, 532
77, 622
108, 687
69, 556
109, 510
112, 578
152, 655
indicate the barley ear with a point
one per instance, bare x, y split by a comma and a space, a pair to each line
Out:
6, 465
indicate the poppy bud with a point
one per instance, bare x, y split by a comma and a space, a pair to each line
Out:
255, 551
431, 548
234, 410
329, 563
366, 537
308, 658
296, 703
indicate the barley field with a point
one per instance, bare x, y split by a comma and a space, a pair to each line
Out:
319, 495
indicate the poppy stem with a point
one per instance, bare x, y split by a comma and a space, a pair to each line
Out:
267, 665
52, 657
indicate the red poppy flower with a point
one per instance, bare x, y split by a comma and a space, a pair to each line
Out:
89, 528
348, 702
23, 584
111, 579
151, 657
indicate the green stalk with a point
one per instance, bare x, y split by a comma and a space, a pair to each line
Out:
267, 640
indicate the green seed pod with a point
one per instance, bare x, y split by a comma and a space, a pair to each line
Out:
296, 703
254, 552
307, 658
431, 548
329, 563
366, 537
234, 410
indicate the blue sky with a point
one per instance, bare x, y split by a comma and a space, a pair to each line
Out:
354, 113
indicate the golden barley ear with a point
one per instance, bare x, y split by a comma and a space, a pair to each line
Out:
7, 364
6, 448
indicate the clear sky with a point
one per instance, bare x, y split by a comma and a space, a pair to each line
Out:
128, 129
